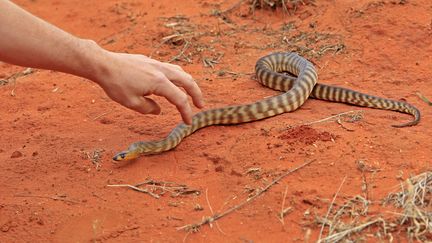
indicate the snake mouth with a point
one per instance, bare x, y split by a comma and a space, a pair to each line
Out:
119, 157
130, 155
124, 155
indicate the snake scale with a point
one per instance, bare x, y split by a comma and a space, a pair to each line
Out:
271, 71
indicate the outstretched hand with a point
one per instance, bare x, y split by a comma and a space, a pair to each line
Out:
130, 78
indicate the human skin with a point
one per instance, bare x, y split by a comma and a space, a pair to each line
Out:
128, 79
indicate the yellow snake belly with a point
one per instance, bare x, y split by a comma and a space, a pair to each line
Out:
273, 71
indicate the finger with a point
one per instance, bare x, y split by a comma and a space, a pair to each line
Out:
175, 96
194, 91
185, 80
145, 105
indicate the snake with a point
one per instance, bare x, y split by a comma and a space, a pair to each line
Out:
282, 71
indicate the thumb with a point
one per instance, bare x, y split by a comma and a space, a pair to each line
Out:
146, 105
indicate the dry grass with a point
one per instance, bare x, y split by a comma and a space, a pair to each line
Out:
186, 41
351, 221
415, 201
288, 6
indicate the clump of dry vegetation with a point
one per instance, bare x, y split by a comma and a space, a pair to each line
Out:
288, 6
187, 42
415, 201
351, 221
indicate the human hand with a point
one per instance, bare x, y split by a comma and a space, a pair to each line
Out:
129, 78
126, 78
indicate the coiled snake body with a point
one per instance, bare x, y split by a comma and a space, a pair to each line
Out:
270, 71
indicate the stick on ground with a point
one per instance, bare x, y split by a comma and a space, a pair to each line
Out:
355, 115
136, 189
330, 208
284, 210
55, 198
421, 96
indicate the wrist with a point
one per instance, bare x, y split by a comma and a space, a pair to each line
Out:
92, 60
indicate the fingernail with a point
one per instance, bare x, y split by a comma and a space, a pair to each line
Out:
201, 104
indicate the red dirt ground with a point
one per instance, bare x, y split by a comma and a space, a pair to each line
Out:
52, 191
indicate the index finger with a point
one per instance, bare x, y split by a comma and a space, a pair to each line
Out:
185, 80
176, 97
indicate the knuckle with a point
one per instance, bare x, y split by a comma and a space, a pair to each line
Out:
176, 67
189, 82
195, 90
130, 104
188, 76
159, 77
133, 103
183, 99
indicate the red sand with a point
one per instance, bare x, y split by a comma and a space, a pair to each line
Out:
54, 119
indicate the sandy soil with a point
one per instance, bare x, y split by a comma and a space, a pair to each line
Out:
59, 132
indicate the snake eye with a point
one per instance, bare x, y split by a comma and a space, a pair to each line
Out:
119, 156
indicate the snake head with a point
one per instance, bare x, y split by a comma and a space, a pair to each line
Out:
134, 151
125, 155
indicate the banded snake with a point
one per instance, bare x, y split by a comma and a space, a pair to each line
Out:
271, 71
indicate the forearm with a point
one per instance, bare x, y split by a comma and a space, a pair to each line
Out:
29, 41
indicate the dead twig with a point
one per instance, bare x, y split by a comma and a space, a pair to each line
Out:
330, 208
340, 235
363, 168
55, 198
422, 97
339, 121
13, 77
284, 210
101, 115
165, 40
210, 62
178, 56
351, 116
175, 188
212, 212
136, 189
208, 220
158, 188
